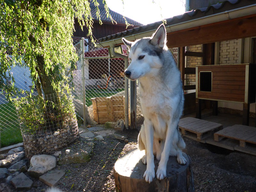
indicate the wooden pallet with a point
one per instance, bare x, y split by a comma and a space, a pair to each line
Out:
241, 133
198, 129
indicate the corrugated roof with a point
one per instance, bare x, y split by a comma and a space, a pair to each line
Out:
119, 19
190, 15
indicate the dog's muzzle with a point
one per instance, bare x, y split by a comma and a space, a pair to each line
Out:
127, 73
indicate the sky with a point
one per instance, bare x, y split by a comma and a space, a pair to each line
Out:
147, 11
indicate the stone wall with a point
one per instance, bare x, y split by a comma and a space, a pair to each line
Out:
48, 142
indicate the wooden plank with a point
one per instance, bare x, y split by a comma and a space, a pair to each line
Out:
118, 107
182, 63
95, 109
226, 78
237, 28
242, 133
190, 70
197, 128
185, 121
194, 54
110, 109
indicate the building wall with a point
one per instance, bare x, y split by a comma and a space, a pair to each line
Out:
229, 52
190, 61
232, 52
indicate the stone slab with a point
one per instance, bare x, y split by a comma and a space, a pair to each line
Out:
21, 181
52, 177
13, 158
88, 134
3, 173
20, 166
6, 149
95, 128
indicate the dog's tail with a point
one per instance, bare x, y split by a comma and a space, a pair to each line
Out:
181, 142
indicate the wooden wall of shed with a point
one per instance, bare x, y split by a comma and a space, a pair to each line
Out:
228, 83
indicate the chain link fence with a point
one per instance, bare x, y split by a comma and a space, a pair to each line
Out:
99, 83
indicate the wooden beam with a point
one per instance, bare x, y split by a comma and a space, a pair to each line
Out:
225, 30
189, 87
182, 62
189, 70
194, 54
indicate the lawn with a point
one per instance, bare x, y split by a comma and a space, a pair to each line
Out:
9, 125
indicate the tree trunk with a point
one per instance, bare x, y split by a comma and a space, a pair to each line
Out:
129, 170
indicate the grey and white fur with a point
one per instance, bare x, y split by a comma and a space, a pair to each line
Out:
161, 98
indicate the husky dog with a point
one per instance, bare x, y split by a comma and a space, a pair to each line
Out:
162, 99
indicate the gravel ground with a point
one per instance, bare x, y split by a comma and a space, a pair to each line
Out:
223, 171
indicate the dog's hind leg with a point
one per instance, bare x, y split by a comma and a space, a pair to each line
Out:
180, 146
149, 174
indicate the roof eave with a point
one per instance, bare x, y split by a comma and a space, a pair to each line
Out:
218, 17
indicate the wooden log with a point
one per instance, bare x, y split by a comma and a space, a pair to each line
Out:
129, 170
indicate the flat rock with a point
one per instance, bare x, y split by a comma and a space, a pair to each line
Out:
8, 148
15, 150
95, 128
99, 137
119, 137
52, 177
12, 158
40, 164
20, 166
106, 132
87, 134
5, 188
3, 173
21, 181
3, 156
78, 152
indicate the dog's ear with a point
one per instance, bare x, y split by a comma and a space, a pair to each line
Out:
127, 43
159, 37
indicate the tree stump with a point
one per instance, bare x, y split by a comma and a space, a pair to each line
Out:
129, 170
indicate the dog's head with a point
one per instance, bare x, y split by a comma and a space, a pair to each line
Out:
145, 54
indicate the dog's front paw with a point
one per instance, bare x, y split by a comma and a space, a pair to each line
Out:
181, 159
149, 175
144, 159
161, 173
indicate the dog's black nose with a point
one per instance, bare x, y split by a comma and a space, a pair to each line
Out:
127, 73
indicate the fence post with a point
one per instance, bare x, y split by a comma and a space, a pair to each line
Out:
126, 95
83, 78
133, 103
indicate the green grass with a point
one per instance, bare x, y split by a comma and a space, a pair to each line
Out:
9, 125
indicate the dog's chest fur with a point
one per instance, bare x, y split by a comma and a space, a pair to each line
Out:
157, 103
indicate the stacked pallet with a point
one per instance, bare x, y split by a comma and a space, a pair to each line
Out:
108, 109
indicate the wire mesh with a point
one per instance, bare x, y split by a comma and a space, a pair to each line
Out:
104, 85
104, 95
9, 121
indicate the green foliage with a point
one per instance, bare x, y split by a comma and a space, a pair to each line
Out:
40, 119
38, 34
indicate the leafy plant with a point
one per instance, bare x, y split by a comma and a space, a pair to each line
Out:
38, 34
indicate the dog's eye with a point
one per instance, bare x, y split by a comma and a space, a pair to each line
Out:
141, 57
